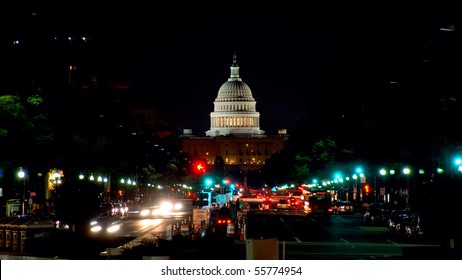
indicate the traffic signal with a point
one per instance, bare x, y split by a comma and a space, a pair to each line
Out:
208, 181
199, 167
366, 189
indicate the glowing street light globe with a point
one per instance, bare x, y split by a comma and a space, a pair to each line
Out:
21, 173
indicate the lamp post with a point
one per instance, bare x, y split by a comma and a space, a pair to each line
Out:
356, 192
358, 197
407, 171
56, 183
383, 173
22, 175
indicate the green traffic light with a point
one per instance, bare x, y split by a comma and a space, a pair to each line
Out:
208, 182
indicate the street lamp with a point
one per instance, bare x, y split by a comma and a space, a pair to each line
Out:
383, 173
407, 171
356, 192
355, 176
458, 163
22, 175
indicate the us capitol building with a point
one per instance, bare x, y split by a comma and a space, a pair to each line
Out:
235, 132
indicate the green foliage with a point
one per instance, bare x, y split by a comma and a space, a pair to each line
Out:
301, 168
324, 150
12, 114
35, 100
11, 108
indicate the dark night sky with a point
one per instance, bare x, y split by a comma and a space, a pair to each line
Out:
293, 57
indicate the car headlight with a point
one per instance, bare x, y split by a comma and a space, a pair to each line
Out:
178, 206
166, 206
145, 212
113, 228
96, 228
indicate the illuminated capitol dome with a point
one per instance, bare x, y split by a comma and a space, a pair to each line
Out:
234, 133
234, 108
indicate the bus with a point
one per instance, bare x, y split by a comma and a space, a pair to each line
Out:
318, 203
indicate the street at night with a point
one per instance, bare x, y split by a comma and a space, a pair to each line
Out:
200, 132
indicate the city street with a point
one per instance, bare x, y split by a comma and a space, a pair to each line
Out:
299, 237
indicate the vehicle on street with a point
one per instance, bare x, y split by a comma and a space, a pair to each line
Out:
120, 209
376, 214
108, 209
318, 203
343, 207
398, 220
219, 221
414, 228
166, 208
283, 204
105, 226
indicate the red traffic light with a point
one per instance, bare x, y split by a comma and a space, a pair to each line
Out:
366, 189
200, 167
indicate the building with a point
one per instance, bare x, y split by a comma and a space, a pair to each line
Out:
235, 133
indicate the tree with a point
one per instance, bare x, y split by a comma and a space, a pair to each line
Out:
25, 133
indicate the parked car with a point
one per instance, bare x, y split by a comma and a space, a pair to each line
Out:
398, 220
343, 207
415, 227
376, 214
333, 205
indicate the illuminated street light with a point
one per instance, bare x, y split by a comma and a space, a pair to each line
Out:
458, 162
356, 193
383, 172
407, 171
22, 176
